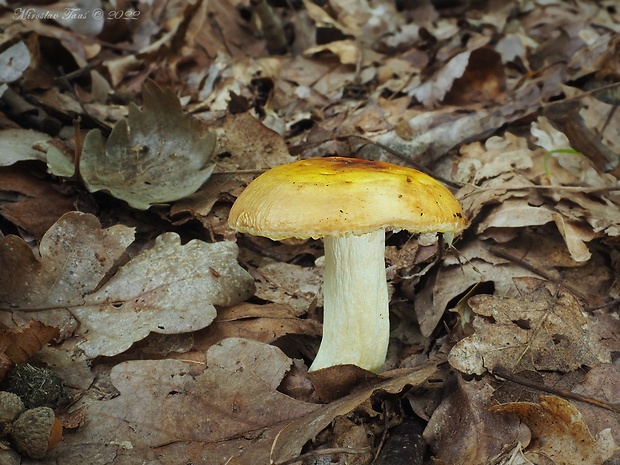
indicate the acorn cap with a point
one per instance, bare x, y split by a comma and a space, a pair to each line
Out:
36, 432
334, 196
11, 406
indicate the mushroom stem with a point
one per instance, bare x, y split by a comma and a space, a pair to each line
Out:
356, 325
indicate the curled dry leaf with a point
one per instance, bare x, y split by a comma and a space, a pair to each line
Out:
347, 51
22, 343
155, 155
34, 205
559, 432
18, 345
463, 431
539, 331
170, 288
263, 323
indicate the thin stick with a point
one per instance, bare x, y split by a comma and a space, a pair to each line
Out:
502, 254
501, 373
257, 171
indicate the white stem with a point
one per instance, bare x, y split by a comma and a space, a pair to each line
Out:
356, 325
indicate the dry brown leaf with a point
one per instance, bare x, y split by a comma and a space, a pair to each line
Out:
498, 155
348, 434
347, 51
19, 345
323, 19
265, 362
538, 331
515, 213
509, 159
559, 433
482, 81
602, 382
20, 144
167, 401
229, 414
263, 323
474, 264
463, 431
292, 437
552, 212
30, 203
576, 235
249, 145
336, 381
170, 288
544, 253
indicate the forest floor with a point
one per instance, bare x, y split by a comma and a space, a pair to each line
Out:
159, 335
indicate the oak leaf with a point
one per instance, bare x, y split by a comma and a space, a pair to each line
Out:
539, 331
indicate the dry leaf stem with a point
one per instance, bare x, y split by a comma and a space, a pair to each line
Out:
500, 373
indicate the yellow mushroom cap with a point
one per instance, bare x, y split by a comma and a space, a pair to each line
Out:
335, 196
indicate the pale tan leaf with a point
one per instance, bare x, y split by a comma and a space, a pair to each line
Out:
170, 288
19, 144
267, 363
155, 155
347, 51
575, 235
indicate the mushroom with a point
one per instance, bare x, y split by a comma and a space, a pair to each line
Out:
349, 203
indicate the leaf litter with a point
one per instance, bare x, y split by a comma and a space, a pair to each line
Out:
68, 286
513, 105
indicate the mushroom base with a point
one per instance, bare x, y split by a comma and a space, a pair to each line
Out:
356, 325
